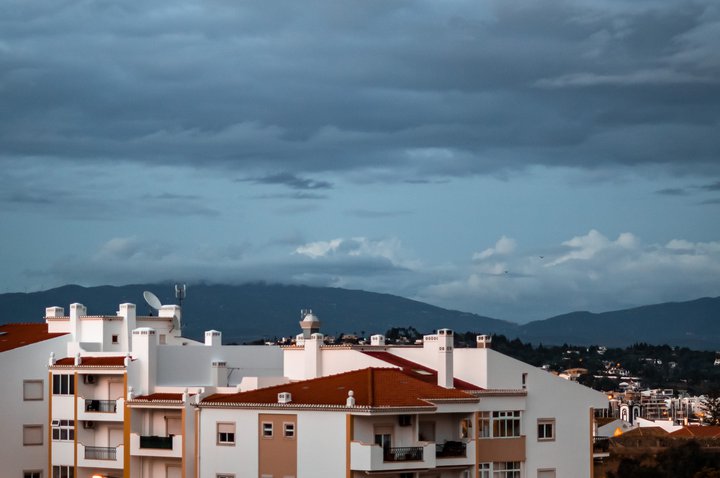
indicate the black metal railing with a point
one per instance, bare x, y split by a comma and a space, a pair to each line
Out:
451, 449
403, 453
106, 406
601, 444
159, 443
100, 453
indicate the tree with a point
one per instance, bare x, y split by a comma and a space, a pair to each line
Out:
711, 404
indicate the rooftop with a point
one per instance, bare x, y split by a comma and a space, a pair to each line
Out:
115, 361
372, 388
13, 336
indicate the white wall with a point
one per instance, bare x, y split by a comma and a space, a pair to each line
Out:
25, 363
321, 444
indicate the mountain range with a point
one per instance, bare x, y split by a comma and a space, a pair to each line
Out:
258, 310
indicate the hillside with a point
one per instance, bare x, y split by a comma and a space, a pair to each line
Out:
251, 311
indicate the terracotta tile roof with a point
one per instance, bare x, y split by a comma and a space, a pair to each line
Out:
372, 387
118, 361
697, 432
13, 336
645, 432
416, 370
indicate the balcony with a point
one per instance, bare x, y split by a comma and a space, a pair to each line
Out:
371, 457
91, 409
100, 456
455, 453
144, 445
601, 447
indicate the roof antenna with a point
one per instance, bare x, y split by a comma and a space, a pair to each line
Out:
180, 293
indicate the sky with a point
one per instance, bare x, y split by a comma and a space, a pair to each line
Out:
515, 159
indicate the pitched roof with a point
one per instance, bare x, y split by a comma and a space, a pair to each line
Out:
697, 432
372, 388
416, 370
645, 432
159, 397
115, 361
13, 336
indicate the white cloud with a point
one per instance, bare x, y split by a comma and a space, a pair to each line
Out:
503, 246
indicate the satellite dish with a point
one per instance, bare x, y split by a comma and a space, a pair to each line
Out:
152, 300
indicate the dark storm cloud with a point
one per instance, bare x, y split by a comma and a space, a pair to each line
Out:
712, 187
421, 89
672, 192
291, 181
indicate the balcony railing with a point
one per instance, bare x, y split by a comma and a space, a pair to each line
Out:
157, 443
601, 444
100, 453
404, 453
451, 449
106, 406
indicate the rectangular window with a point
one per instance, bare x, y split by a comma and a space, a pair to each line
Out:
32, 474
32, 435
226, 433
63, 471
224, 475
289, 430
465, 428
33, 390
484, 425
63, 430
547, 473
546, 429
116, 339
484, 470
506, 469
506, 424
267, 430
63, 384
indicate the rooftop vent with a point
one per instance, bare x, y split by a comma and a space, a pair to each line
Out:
284, 397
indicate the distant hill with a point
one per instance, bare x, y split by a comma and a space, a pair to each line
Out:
694, 324
251, 311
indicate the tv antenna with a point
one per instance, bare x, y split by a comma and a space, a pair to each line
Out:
180, 293
152, 301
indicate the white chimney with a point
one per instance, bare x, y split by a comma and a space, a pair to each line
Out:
128, 313
76, 311
313, 356
219, 374
54, 312
445, 358
144, 347
483, 341
284, 397
377, 339
213, 338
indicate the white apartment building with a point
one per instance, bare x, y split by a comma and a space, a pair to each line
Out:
131, 397
24, 349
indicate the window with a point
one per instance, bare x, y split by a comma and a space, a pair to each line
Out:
267, 430
63, 471
484, 470
524, 380
226, 433
506, 469
163, 341
64, 384
289, 430
63, 430
116, 339
224, 475
506, 424
484, 425
33, 389
546, 473
465, 426
32, 435
546, 429
32, 474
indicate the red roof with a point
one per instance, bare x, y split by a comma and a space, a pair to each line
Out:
13, 336
94, 361
372, 387
416, 370
697, 432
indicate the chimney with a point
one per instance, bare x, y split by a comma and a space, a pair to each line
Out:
76, 311
445, 358
219, 374
213, 338
54, 312
313, 356
128, 313
284, 397
144, 347
378, 339
483, 341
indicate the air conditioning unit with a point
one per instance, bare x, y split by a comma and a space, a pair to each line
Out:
88, 424
404, 420
88, 378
